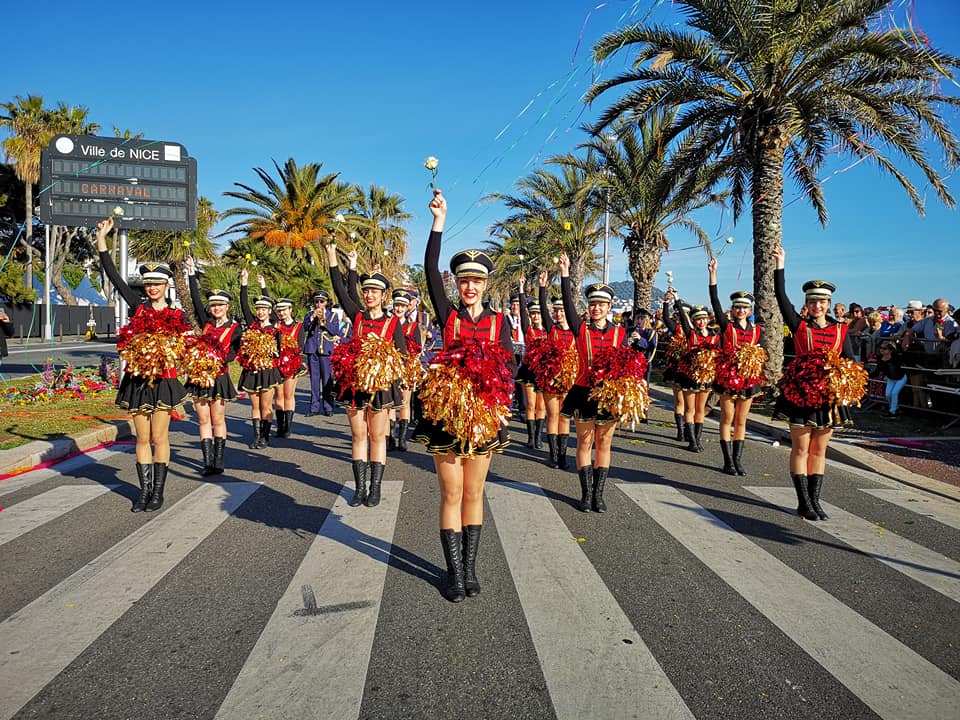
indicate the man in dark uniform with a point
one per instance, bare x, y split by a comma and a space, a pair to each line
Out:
320, 334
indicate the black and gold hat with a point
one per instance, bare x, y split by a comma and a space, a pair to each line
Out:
155, 273
320, 295
401, 296
818, 290
283, 304
699, 312
599, 292
263, 302
557, 303
471, 263
741, 298
218, 297
375, 281
533, 307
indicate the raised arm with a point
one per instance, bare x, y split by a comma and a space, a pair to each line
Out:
718, 312
431, 260
524, 315
543, 297
245, 298
566, 290
790, 317
684, 318
110, 269
198, 306
349, 305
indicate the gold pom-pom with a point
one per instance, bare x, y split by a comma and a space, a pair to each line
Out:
257, 350
452, 402
569, 367
625, 398
676, 348
750, 360
378, 365
846, 380
412, 373
703, 367
148, 355
202, 363
289, 342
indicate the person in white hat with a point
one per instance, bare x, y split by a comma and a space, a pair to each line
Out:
151, 400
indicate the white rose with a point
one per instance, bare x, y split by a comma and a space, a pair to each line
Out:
118, 211
431, 163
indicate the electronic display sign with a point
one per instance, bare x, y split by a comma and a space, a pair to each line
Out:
142, 184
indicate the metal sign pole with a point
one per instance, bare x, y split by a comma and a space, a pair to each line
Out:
121, 304
47, 279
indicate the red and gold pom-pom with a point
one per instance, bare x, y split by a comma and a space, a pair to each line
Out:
290, 361
847, 381
467, 390
149, 355
741, 369
805, 382
378, 364
412, 373
258, 349
702, 366
202, 360
619, 385
343, 362
676, 349
553, 364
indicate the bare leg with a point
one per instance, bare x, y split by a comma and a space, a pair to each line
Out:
358, 433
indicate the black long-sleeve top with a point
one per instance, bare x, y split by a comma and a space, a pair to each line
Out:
350, 303
110, 270
668, 320
792, 319
199, 307
543, 298
442, 304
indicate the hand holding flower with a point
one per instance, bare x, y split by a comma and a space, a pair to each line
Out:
431, 164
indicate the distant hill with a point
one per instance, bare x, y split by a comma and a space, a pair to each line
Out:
624, 291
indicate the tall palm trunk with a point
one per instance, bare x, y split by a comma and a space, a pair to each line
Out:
644, 260
183, 292
767, 196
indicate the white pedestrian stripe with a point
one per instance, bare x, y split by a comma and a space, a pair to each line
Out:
890, 678
571, 614
59, 471
311, 659
48, 634
23, 517
943, 511
915, 561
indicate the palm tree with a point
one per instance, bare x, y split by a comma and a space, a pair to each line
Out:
764, 85
637, 178
380, 216
553, 213
175, 247
297, 211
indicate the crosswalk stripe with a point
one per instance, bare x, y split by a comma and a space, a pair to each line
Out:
943, 511
915, 561
48, 634
29, 514
889, 677
312, 656
571, 614
61, 469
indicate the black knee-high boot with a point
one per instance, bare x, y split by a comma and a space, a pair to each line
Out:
814, 485
392, 437
738, 457
552, 447
537, 434
471, 544
159, 480
697, 432
219, 445
688, 436
804, 509
359, 483
281, 423
145, 476
288, 421
586, 488
402, 434
265, 433
376, 478
562, 451
206, 449
678, 419
727, 460
599, 480
255, 441
453, 554
530, 434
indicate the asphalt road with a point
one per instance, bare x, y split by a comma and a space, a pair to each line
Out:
263, 595
31, 358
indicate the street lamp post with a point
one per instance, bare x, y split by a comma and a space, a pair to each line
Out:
47, 281
606, 236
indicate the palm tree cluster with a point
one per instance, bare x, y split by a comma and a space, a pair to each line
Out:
757, 87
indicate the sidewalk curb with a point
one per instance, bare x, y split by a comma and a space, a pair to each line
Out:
30, 455
845, 452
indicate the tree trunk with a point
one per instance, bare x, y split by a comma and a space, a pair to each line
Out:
59, 250
28, 234
183, 293
767, 196
644, 259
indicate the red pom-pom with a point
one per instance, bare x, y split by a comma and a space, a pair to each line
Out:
804, 381
617, 362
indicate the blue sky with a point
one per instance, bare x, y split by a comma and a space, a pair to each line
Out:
371, 89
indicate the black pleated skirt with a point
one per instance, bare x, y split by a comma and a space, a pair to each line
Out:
256, 380
137, 395
818, 417
439, 442
578, 405
744, 394
222, 389
380, 400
